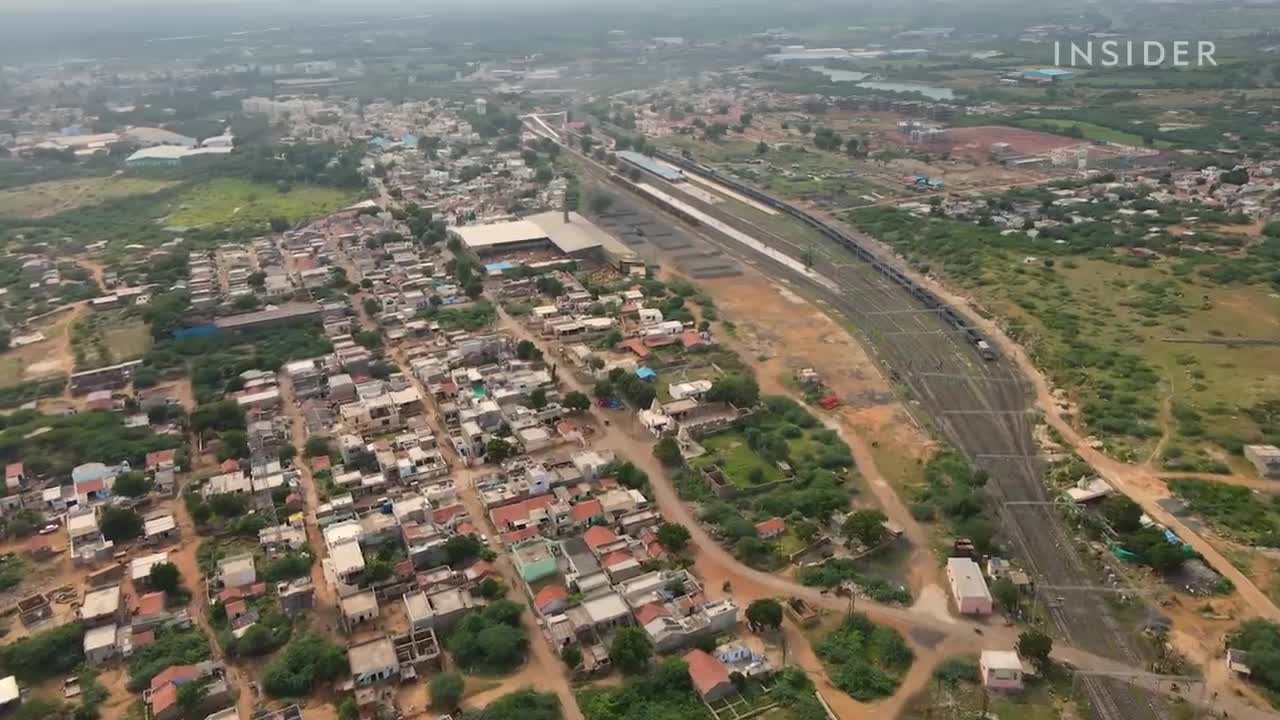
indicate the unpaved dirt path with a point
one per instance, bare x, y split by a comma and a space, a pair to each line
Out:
792, 334
1136, 481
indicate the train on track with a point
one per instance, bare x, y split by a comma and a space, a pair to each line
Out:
924, 295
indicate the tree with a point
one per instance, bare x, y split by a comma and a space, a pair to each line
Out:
603, 389
765, 613
446, 691
600, 202
497, 450
317, 445
867, 526
120, 524
673, 536
667, 450
308, 659
575, 401
191, 695
572, 656
166, 576
526, 350
279, 224
631, 650
1036, 647
549, 286
739, 390
378, 570
762, 148
538, 398
1006, 593
132, 485
1123, 514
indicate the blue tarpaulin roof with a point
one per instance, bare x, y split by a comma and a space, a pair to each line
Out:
645, 373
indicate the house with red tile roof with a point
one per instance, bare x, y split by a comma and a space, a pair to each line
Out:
162, 695
649, 612
160, 458
590, 512
519, 515
710, 676
771, 528
519, 536
551, 599
449, 515
597, 537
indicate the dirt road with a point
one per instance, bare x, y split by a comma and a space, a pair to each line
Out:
1138, 482
325, 597
543, 669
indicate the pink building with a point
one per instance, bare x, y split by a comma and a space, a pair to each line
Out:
968, 587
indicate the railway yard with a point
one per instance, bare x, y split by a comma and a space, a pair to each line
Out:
984, 407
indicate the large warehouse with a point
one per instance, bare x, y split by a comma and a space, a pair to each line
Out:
579, 239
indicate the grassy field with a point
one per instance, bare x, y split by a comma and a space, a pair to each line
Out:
738, 461
1091, 132
240, 202
106, 338
128, 340
1107, 332
50, 198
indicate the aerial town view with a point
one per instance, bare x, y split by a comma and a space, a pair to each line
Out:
596, 361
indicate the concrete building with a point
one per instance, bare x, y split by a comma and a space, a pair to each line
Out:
1265, 459
237, 571
968, 587
100, 644
1000, 669
373, 661
359, 608
101, 606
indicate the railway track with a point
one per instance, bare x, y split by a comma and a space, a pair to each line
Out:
976, 399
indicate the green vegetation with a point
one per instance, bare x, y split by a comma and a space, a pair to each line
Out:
524, 704
957, 694
309, 659
54, 196
46, 654
471, 317
765, 613
1100, 320
631, 650
229, 201
107, 338
12, 570
951, 492
749, 453
1089, 131
1237, 512
491, 640
215, 363
272, 630
665, 693
53, 445
172, 646
446, 690
863, 659
1261, 640
838, 571
26, 391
